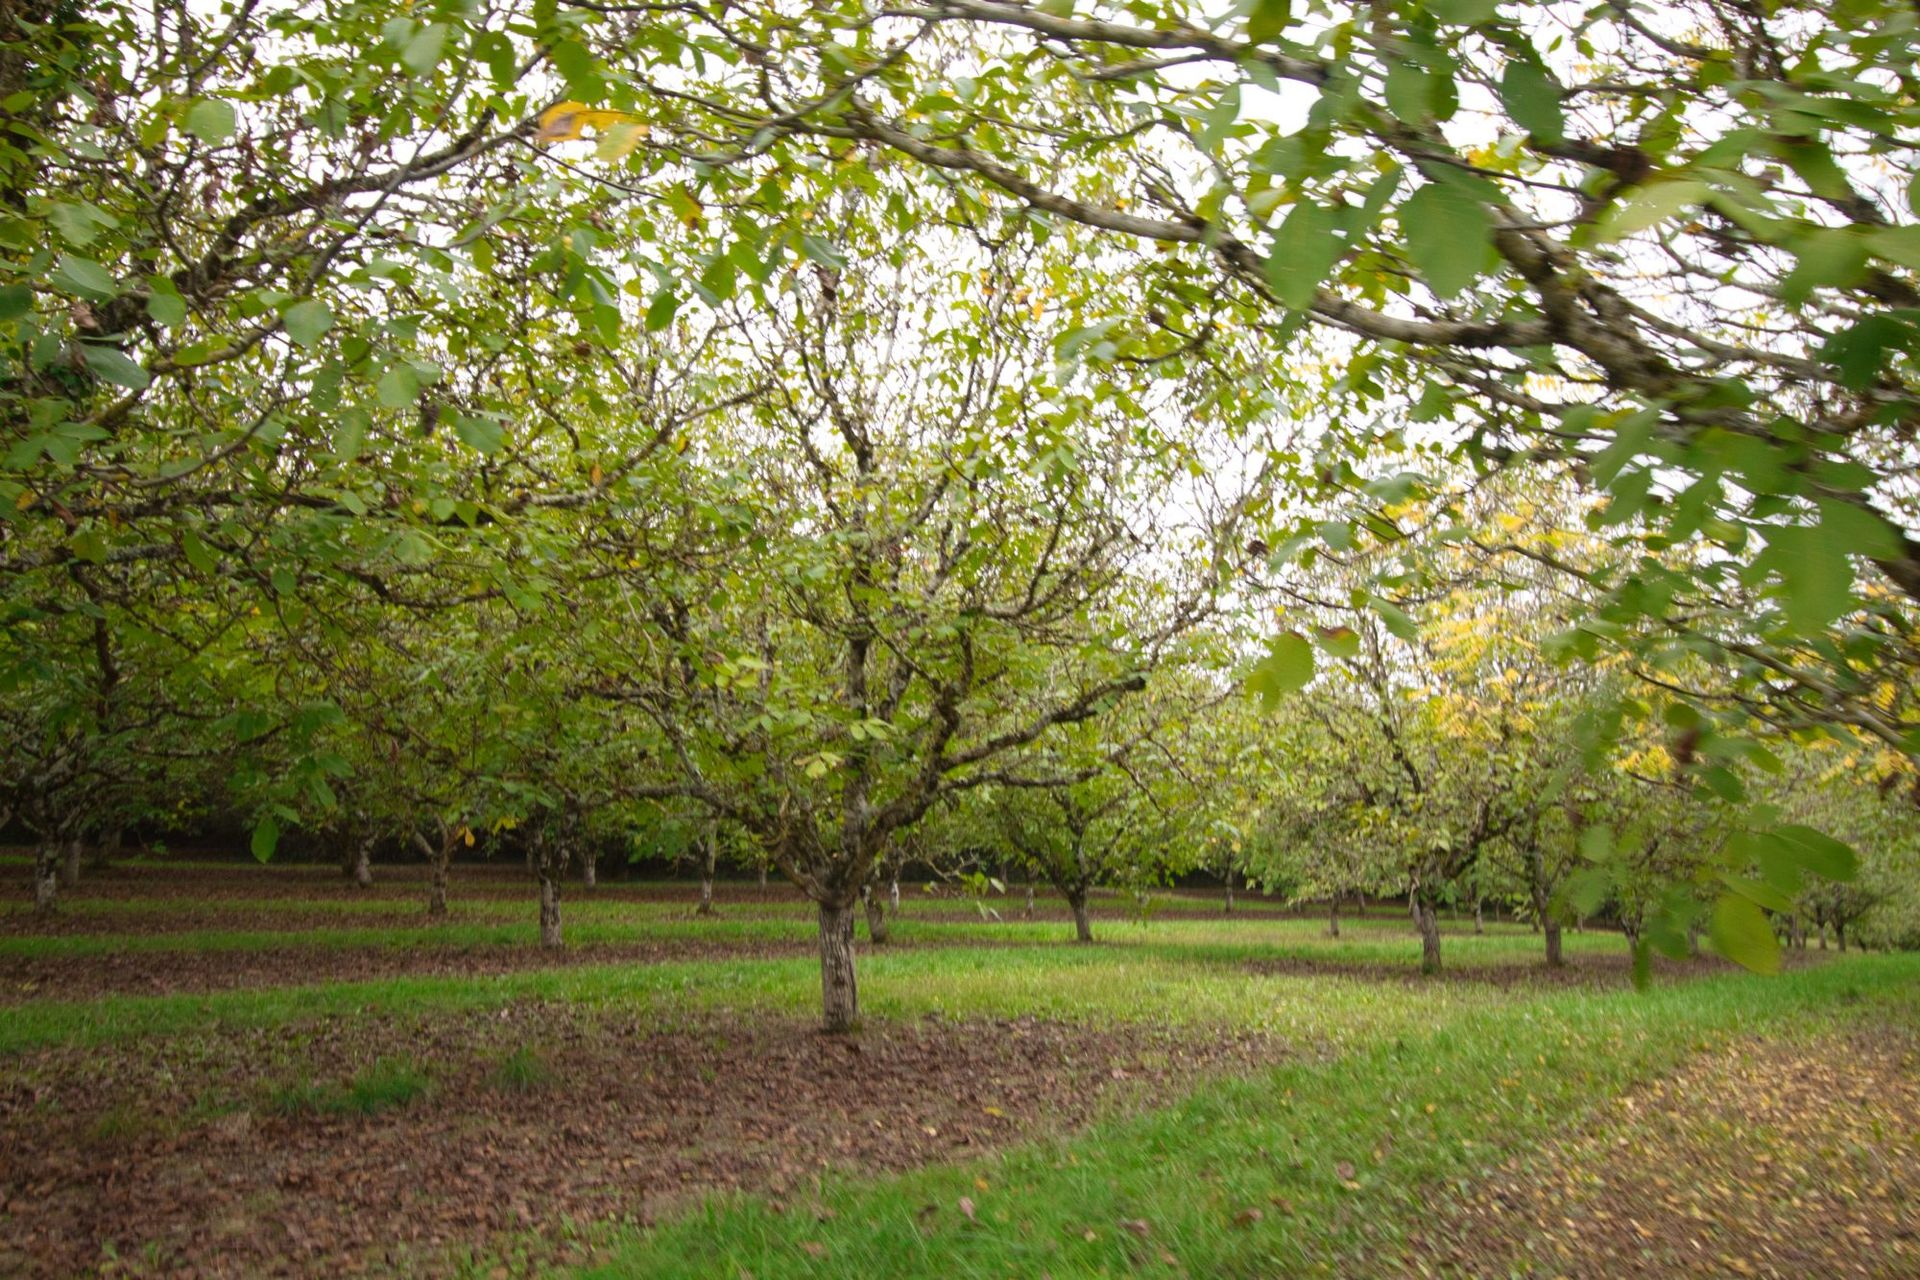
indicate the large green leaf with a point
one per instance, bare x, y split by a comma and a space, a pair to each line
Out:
1446, 232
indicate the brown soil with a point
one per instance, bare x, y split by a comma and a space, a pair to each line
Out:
181, 1156
1769, 1159
148, 973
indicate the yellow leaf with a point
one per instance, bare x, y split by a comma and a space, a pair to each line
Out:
564, 121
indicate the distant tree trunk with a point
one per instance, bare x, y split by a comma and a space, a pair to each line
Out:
1693, 940
893, 895
1799, 928
1229, 904
707, 854
839, 994
362, 869
1552, 930
1082, 923
1840, 934
106, 850
589, 864
876, 916
1029, 899
1333, 916
550, 938
763, 875
46, 877
1427, 919
1820, 927
438, 861
1479, 918
70, 862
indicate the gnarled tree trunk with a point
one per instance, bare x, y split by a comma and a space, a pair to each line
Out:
839, 994
438, 860
46, 877
360, 865
1082, 923
1426, 917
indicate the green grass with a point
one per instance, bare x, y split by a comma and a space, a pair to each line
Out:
1303, 1170
388, 1083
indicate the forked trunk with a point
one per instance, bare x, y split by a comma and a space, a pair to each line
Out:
1082, 923
839, 995
46, 878
1333, 917
1552, 929
70, 862
876, 918
1427, 918
550, 938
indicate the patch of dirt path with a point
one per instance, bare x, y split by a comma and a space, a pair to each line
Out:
186, 1156
1769, 1159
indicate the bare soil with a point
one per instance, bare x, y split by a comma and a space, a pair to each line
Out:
1768, 1159
188, 1157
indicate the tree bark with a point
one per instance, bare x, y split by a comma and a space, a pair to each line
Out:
1479, 919
1229, 904
706, 881
1552, 930
1820, 927
1427, 918
105, 851
550, 938
763, 875
1082, 923
1333, 916
1840, 934
839, 993
876, 918
1029, 899
589, 865
70, 862
893, 895
46, 878
361, 867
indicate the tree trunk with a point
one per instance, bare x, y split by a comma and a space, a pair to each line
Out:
876, 917
706, 881
1333, 916
893, 895
1693, 940
70, 862
1082, 924
550, 939
839, 994
589, 865
1552, 929
1479, 919
105, 851
1229, 905
1820, 927
46, 878
1840, 934
1029, 899
763, 875
1427, 917
361, 868
437, 887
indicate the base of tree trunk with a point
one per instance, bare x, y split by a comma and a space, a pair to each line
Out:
1427, 917
46, 880
705, 907
550, 938
1082, 922
1554, 957
893, 895
876, 919
839, 992
437, 893
589, 869
70, 862
1333, 918
1029, 902
1479, 919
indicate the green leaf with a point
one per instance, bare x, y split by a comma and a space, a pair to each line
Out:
266, 838
351, 436
79, 224
1859, 352
306, 321
1741, 934
1341, 642
661, 310
15, 301
85, 277
1821, 853
114, 365
1268, 19
168, 309
1651, 205
1446, 232
1287, 667
1395, 620
483, 434
196, 552
1304, 251
398, 387
212, 121
422, 53
1532, 98
823, 252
